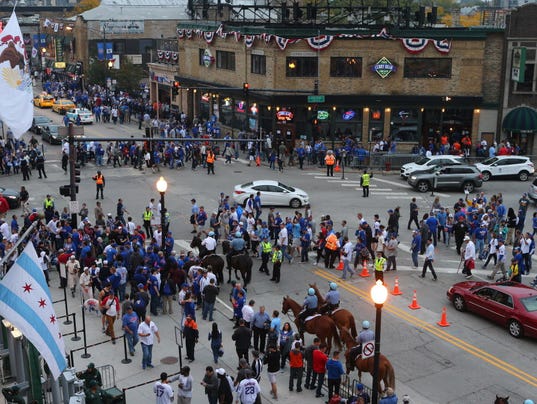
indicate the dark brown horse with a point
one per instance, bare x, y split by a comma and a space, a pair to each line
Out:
321, 326
353, 358
217, 264
501, 400
196, 243
342, 317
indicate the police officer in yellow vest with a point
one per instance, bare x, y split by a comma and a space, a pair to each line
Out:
331, 248
48, 207
266, 249
99, 182
365, 179
147, 216
380, 264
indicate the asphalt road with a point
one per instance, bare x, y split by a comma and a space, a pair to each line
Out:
469, 362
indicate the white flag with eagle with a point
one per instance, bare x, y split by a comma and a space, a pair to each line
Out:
16, 109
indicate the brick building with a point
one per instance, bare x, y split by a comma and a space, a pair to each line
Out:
408, 83
519, 102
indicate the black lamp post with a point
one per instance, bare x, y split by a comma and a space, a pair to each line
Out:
162, 186
343, 156
379, 294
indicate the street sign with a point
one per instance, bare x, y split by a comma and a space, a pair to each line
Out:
315, 99
73, 207
368, 350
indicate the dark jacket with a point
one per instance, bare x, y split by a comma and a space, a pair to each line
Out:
272, 359
242, 337
209, 293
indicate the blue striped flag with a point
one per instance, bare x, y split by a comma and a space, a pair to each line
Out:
26, 303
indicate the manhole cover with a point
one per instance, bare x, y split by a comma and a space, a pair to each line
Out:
169, 360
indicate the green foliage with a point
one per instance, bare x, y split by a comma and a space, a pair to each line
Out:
128, 77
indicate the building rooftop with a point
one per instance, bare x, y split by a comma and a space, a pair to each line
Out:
138, 10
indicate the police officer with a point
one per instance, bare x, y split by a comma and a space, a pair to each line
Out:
99, 182
209, 243
380, 264
237, 247
48, 207
366, 334
147, 216
365, 179
309, 307
332, 297
266, 248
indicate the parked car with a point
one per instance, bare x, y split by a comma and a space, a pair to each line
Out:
273, 193
424, 163
62, 105
506, 166
532, 192
13, 197
44, 100
510, 304
38, 122
51, 134
458, 176
85, 115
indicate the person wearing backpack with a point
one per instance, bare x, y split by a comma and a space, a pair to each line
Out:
141, 299
168, 291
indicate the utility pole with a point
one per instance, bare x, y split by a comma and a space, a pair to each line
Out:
72, 173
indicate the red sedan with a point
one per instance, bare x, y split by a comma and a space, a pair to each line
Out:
509, 304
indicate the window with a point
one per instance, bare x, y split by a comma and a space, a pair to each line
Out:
529, 79
301, 66
259, 64
346, 66
201, 52
427, 68
225, 60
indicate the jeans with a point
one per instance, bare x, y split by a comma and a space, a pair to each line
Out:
319, 377
347, 268
333, 387
479, 246
296, 373
415, 257
208, 308
147, 355
132, 340
153, 305
215, 349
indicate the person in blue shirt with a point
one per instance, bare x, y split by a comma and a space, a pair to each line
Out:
480, 235
305, 242
334, 371
257, 205
301, 153
309, 308
415, 247
442, 219
154, 291
432, 223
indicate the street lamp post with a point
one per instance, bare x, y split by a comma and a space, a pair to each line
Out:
343, 156
379, 294
162, 186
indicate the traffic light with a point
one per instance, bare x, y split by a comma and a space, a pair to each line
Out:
175, 87
77, 174
245, 88
65, 190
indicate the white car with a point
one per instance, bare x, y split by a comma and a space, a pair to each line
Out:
506, 166
273, 193
424, 163
85, 115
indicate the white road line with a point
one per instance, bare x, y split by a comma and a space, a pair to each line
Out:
345, 181
397, 197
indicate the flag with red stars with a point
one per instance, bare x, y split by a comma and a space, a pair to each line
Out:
26, 303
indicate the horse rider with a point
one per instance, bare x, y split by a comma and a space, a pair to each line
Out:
309, 308
237, 247
365, 335
209, 243
332, 298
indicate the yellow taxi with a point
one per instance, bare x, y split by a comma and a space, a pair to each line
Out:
44, 100
62, 105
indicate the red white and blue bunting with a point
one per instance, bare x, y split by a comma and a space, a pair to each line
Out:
321, 42
167, 56
414, 45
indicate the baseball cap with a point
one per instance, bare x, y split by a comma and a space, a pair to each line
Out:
140, 285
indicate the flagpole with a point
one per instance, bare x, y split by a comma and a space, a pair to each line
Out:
14, 248
35, 374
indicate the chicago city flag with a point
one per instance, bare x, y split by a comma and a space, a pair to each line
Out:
16, 110
26, 303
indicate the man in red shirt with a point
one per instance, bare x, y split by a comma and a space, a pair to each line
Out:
319, 369
4, 206
296, 365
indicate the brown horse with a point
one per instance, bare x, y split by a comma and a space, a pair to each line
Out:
321, 326
342, 317
354, 359
501, 400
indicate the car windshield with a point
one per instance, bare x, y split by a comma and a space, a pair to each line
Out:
41, 119
53, 129
287, 187
248, 184
530, 303
48, 97
422, 160
489, 161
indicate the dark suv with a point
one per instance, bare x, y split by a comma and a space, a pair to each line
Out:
463, 177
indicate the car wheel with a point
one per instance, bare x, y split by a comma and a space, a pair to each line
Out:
523, 175
459, 303
515, 329
423, 186
485, 175
468, 186
295, 203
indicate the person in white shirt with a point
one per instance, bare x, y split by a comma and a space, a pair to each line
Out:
131, 226
184, 393
146, 330
429, 259
5, 230
469, 257
248, 313
209, 243
85, 284
163, 391
346, 256
500, 266
247, 391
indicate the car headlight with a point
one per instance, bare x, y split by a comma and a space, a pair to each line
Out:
413, 178
302, 196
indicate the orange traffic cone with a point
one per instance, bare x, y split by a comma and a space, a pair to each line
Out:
257, 161
340, 266
414, 305
396, 291
365, 273
443, 320
336, 169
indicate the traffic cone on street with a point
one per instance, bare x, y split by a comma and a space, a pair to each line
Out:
414, 305
396, 291
365, 273
340, 266
443, 320
336, 169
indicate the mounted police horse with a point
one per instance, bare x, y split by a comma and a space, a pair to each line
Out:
217, 265
242, 263
196, 243
342, 317
321, 326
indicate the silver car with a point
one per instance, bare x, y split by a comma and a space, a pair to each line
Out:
273, 193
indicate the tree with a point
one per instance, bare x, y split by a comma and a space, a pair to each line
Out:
129, 76
85, 5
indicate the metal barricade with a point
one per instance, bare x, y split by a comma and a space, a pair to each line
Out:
108, 376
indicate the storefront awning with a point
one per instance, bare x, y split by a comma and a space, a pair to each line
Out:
521, 119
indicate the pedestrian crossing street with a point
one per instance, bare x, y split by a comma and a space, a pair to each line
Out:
380, 187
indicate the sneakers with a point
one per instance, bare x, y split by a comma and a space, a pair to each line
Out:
468, 276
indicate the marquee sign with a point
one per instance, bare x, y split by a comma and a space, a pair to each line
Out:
384, 67
208, 58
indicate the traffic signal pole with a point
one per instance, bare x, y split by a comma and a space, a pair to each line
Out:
72, 174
